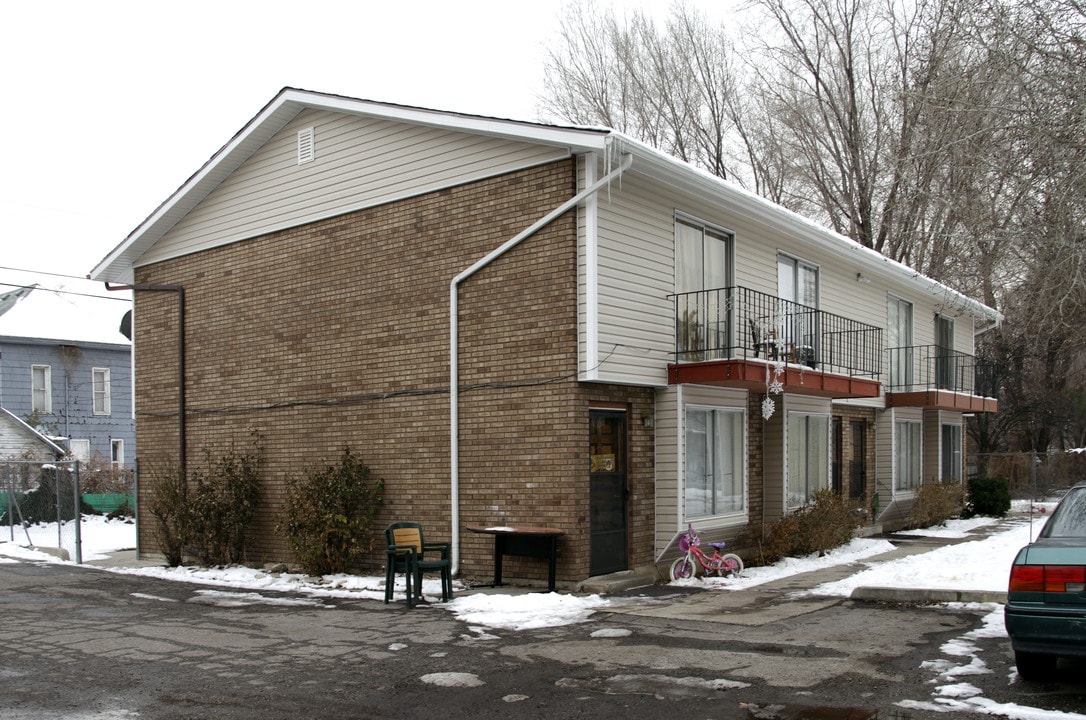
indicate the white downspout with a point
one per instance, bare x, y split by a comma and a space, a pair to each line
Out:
454, 321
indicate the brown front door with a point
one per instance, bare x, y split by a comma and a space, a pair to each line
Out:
857, 476
607, 491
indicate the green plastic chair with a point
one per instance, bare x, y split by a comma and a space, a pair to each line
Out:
410, 554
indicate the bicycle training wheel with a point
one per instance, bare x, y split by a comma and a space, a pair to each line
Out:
682, 568
731, 564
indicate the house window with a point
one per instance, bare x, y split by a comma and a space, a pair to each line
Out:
906, 455
899, 342
100, 389
808, 456
714, 462
797, 287
797, 281
116, 453
701, 281
951, 453
41, 389
79, 449
946, 362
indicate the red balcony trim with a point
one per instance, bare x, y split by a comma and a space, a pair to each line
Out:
943, 400
751, 375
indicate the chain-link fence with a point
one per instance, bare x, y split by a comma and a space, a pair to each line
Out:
38, 500
1032, 475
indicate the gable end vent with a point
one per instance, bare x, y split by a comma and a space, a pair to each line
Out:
305, 146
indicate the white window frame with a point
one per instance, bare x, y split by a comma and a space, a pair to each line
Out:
737, 418
956, 452
794, 465
907, 479
41, 396
900, 332
790, 270
80, 449
100, 391
116, 452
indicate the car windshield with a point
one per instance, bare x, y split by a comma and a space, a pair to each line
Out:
1069, 519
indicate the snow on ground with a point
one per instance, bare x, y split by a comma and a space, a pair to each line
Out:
980, 564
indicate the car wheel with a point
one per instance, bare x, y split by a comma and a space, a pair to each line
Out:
1035, 666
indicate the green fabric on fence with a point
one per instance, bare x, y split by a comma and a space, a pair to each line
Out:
108, 502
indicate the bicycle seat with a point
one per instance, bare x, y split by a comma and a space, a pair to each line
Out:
718, 545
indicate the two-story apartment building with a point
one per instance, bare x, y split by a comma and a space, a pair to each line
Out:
66, 369
524, 324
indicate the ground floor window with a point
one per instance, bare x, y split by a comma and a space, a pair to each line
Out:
808, 456
80, 449
714, 462
951, 459
906, 455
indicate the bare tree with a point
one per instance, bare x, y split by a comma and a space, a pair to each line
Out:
947, 134
670, 87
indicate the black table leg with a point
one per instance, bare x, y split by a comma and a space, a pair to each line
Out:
499, 550
553, 563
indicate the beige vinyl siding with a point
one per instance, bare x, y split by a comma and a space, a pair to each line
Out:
636, 274
884, 459
932, 446
667, 447
359, 162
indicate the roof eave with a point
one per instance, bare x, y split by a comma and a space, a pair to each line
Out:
739, 200
118, 265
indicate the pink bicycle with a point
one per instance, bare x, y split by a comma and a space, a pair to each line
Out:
721, 564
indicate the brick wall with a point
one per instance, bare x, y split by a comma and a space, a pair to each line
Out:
336, 334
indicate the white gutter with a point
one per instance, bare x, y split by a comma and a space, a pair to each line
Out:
454, 335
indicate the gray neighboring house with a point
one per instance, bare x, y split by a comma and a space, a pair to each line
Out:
66, 369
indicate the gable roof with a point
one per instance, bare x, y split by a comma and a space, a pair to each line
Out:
118, 265
13, 429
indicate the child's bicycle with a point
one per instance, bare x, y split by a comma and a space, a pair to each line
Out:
687, 565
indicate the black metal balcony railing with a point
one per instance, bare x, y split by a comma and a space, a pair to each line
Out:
736, 322
919, 368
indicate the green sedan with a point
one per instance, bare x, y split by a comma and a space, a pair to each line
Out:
1045, 614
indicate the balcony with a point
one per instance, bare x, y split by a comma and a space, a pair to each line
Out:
936, 378
737, 337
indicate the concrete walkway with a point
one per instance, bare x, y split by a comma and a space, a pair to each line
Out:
774, 600
784, 598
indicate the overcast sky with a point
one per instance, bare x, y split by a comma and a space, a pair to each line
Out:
110, 106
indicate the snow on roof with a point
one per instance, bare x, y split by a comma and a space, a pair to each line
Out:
73, 311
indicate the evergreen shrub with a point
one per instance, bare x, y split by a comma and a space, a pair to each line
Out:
937, 502
990, 497
207, 514
826, 523
329, 515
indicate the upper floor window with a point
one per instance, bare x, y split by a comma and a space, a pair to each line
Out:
701, 257
946, 362
797, 281
899, 341
701, 282
100, 390
41, 389
797, 288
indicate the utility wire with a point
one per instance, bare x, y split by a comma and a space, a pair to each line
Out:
362, 398
63, 292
